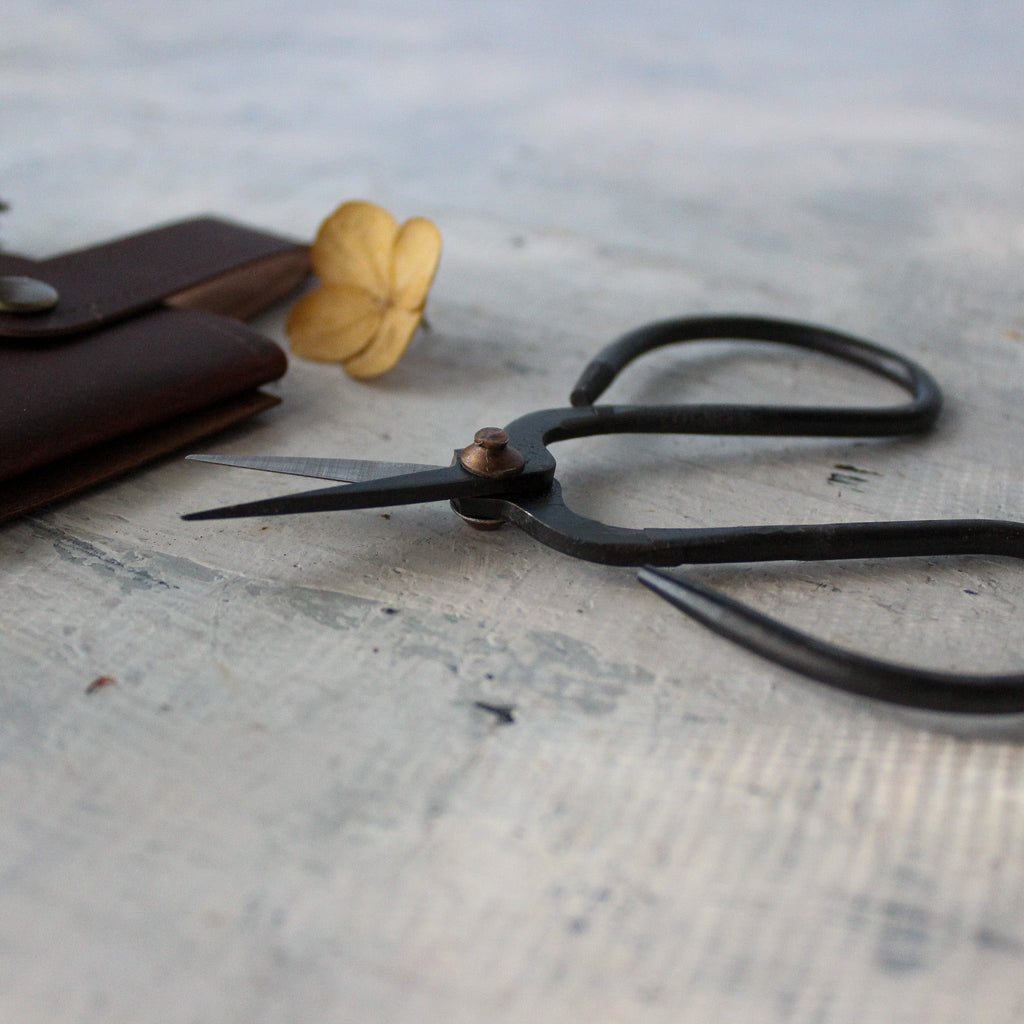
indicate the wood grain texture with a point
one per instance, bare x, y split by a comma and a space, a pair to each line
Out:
288, 805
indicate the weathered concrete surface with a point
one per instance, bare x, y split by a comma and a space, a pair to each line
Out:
289, 807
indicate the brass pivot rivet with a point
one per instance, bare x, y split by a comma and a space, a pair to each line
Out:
490, 455
492, 438
26, 295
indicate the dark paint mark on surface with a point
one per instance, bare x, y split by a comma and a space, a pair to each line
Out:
82, 552
503, 712
905, 938
998, 942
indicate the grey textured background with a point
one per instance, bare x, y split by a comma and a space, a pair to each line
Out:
288, 807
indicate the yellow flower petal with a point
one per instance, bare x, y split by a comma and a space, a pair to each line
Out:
388, 345
334, 324
354, 246
374, 282
417, 253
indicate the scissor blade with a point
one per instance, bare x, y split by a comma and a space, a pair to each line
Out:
406, 489
342, 470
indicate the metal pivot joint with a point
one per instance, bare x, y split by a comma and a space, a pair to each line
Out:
491, 456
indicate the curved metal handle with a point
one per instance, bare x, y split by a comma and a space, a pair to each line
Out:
963, 693
547, 519
805, 421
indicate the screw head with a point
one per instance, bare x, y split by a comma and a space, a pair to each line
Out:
491, 455
491, 438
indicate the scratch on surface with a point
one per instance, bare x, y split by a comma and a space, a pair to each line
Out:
85, 553
850, 476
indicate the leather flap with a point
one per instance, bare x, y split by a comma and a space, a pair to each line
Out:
207, 263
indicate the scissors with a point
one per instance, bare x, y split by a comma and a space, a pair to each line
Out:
507, 475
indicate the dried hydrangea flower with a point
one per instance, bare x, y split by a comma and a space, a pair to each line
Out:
374, 278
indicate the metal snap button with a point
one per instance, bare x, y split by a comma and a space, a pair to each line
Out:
26, 295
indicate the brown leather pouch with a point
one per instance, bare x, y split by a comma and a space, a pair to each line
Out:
143, 353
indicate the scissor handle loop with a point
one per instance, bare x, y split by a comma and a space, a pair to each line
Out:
547, 518
913, 417
966, 693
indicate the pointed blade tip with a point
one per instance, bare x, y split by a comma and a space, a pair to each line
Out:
212, 513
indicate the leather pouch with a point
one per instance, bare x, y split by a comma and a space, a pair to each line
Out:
143, 353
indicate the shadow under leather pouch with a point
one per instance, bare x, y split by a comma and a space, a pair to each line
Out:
143, 352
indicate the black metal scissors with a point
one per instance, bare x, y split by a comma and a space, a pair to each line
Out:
508, 476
